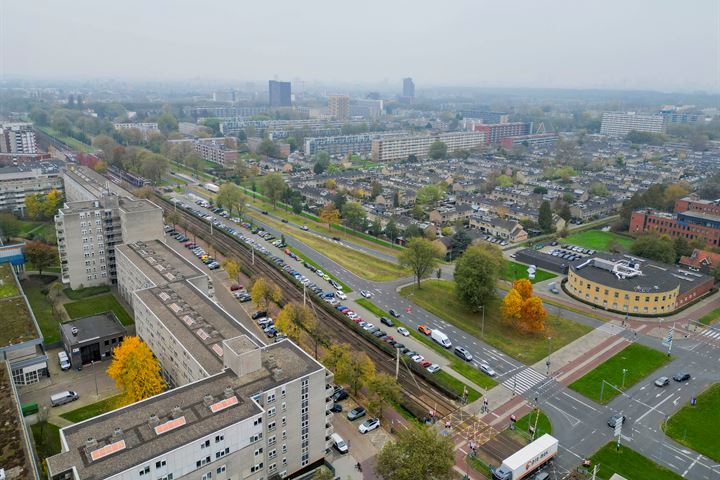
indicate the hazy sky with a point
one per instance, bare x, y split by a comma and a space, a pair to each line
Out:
635, 44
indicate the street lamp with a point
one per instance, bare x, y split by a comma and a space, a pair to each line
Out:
548, 357
625, 370
482, 328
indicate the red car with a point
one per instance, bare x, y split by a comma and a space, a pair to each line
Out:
425, 363
424, 329
235, 287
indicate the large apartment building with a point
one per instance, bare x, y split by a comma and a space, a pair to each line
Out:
211, 149
240, 410
87, 232
279, 94
495, 132
693, 220
18, 138
619, 124
143, 127
339, 107
401, 146
343, 144
17, 182
82, 183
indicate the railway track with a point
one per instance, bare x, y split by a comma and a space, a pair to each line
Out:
416, 389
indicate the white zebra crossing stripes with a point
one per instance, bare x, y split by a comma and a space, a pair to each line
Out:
523, 380
711, 333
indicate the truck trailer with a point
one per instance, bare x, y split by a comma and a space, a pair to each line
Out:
212, 187
527, 460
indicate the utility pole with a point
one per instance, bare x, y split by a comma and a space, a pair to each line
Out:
548, 358
397, 363
625, 370
482, 331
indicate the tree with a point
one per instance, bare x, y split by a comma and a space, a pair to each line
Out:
232, 267
437, 150
135, 370
268, 148
428, 194
193, 162
459, 242
153, 166
232, 198
476, 274
40, 254
383, 391
391, 230
323, 473
419, 452
565, 212
335, 357
504, 181
173, 218
654, 247
523, 310
540, 190
676, 191
9, 225
358, 372
167, 123
340, 200
376, 189
421, 256
329, 214
545, 219
265, 292
293, 319
354, 215
322, 162
274, 187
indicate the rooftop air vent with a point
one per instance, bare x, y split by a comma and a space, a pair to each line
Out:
153, 421
208, 400
176, 411
74, 331
117, 432
90, 443
229, 392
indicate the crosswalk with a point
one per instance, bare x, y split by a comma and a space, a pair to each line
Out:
523, 380
711, 333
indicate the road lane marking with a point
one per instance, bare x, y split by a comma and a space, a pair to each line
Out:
580, 402
655, 408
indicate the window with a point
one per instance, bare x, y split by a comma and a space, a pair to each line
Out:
207, 476
145, 471
271, 412
160, 464
257, 421
206, 443
284, 405
258, 451
271, 427
270, 398
220, 469
256, 468
272, 441
219, 438
272, 454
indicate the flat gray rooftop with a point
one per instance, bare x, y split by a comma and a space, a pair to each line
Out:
94, 326
160, 263
198, 323
141, 440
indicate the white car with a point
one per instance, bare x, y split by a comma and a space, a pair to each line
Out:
433, 368
403, 331
365, 293
485, 368
352, 315
369, 425
341, 295
368, 326
418, 358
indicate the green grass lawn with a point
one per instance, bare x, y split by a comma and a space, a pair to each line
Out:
629, 464
69, 141
515, 271
463, 368
305, 258
597, 239
41, 307
99, 304
47, 442
639, 360
710, 317
26, 226
92, 410
8, 286
81, 293
438, 297
536, 419
698, 426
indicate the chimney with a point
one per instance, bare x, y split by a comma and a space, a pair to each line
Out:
277, 374
153, 421
229, 392
117, 433
177, 411
208, 400
90, 443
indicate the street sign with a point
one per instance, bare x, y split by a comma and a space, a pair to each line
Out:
667, 341
618, 428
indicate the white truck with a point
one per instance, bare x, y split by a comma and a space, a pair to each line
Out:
440, 338
527, 460
212, 187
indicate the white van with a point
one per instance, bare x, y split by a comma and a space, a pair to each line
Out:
63, 397
440, 338
63, 360
339, 443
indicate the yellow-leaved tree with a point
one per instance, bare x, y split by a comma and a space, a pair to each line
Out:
265, 292
523, 310
293, 319
136, 371
232, 267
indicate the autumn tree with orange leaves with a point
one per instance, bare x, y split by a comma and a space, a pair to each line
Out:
136, 371
523, 310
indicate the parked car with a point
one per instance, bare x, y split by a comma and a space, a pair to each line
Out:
236, 286
339, 395
386, 321
336, 408
356, 413
258, 314
403, 331
394, 313
369, 425
681, 377
339, 443
662, 382
433, 368
63, 360
464, 354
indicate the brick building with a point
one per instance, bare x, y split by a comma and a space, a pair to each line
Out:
693, 220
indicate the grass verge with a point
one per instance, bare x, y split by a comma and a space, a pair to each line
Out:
597, 239
310, 261
33, 287
638, 360
99, 304
92, 410
697, 426
463, 368
710, 317
69, 141
629, 464
516, 271
438, 297
361, 264
46, 437
85, 292
536, 419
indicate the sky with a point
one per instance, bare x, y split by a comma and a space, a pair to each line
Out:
665, 45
